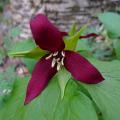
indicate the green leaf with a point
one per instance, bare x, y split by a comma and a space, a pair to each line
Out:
14, 104
106, 95
7, 79
75, 105
25, 45
111, 21
116, 44
48, 105
71, 42
82, 45
109, 69
44, 106
63, 78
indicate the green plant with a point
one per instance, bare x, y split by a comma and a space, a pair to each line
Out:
79, 101
107, 45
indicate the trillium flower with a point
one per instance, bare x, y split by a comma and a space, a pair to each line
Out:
49, 38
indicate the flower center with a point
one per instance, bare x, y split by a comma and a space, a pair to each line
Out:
57, 59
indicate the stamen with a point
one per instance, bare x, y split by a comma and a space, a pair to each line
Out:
58, 66
57, 59
53, 62
48, 57
62, 61
56, 53
63, 54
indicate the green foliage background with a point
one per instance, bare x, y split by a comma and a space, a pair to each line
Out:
65, 98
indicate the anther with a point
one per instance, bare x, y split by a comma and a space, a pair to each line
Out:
47, 58
53, 62
63, 54
56, 53
58, 59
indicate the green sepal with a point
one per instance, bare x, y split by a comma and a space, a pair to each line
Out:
35, 53
73, 30
71, 41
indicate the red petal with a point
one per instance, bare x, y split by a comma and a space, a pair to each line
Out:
41, 75
46, 35
81, 69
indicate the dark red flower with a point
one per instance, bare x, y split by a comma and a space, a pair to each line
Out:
49, 38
